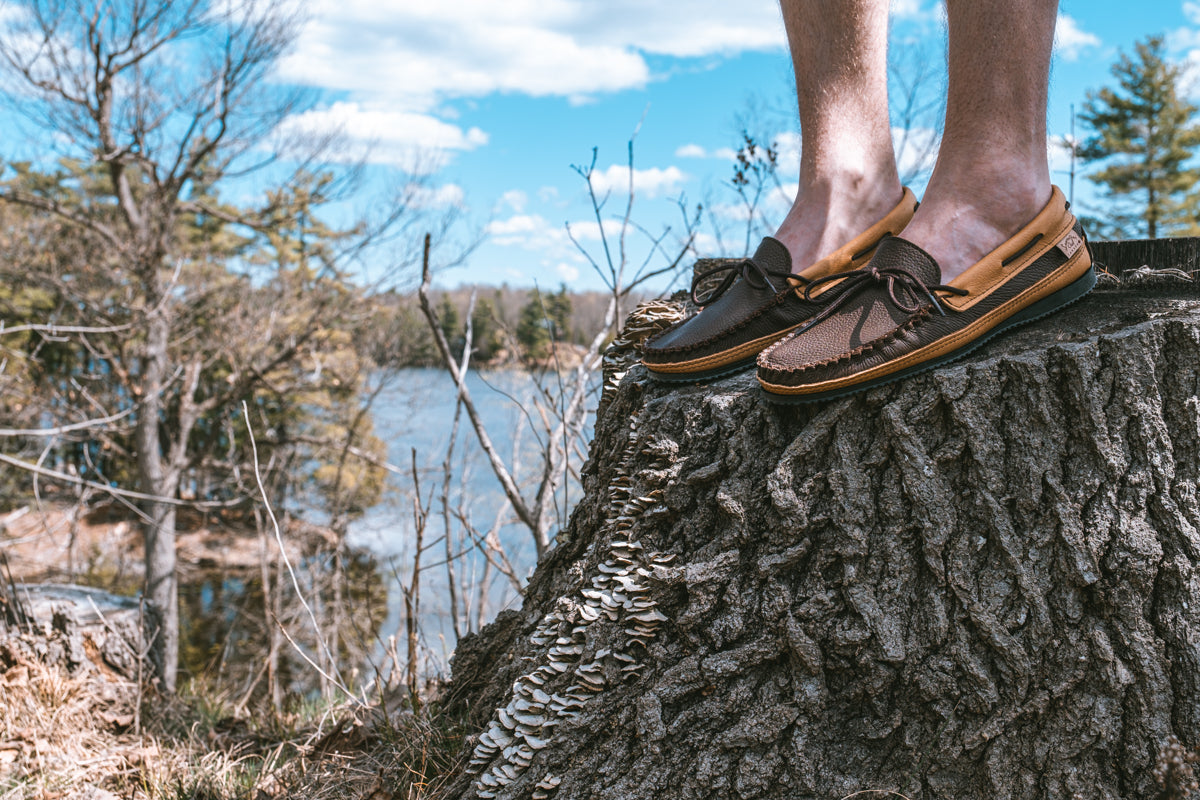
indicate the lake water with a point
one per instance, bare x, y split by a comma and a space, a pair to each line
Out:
223, 621
417, 412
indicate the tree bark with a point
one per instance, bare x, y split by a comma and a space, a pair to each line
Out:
980, 582
160, 480
1118, 258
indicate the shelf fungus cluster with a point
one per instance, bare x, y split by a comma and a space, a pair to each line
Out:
595, 637
643, 322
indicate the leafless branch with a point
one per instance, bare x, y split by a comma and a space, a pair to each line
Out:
485, 442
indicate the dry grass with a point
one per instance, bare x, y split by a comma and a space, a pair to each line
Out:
65, 738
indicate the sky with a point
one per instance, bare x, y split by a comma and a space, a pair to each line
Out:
492, 106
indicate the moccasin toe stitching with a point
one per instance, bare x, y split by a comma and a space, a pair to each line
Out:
753, 311
1039, 270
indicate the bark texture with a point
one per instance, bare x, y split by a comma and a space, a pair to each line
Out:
77, 628
1121, 257
976, 583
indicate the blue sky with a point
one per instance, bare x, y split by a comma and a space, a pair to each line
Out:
493, 102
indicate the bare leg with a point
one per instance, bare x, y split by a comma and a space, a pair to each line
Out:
991, 176
848, 177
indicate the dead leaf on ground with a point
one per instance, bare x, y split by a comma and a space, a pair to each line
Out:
117, 722
17, 676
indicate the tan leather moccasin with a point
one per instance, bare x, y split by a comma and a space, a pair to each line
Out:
894, 317
741, 317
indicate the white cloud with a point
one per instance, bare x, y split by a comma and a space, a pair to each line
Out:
386, 136
514, 199
548, 243
1191, 10
418, 52
706, 245
1183, 39
1070, 40
516, 228
1190, 77
782, 196
646, 182
397, 63
691, 151
787, 149
734, 212
1058, 154
534, 232
444, 196
696, 151
916, 151
915, 10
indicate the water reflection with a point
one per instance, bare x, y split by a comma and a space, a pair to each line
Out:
227, 632
355, 592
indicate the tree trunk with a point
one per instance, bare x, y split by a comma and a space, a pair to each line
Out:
160, 480
979, 582
1151, 217
81, 629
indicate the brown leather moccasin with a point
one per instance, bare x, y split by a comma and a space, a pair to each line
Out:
741, 317
895, 317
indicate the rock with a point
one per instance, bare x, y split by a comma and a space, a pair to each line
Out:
976, 583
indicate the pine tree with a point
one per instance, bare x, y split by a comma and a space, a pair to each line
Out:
452, 327
533, 328
485, 330
544, 319
1144, 135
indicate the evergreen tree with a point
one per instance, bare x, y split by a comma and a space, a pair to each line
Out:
485, 330
533, 330
558, 311
545, 318
1144, 134
452, 327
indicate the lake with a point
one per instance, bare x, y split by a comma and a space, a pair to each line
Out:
223, 623
417, 412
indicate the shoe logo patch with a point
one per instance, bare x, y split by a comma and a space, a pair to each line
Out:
1070, 244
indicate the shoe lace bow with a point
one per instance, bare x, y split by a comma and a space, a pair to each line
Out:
751, 271
906, 290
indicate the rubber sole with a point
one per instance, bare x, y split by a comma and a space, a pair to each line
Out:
708, 375
1042, 308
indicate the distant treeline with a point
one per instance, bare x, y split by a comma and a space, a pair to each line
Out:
509, 326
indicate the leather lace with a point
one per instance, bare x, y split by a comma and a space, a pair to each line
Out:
906, 291
753, 273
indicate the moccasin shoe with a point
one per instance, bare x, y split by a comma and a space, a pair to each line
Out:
895, 318
741, 317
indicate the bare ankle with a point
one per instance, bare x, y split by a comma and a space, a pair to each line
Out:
959, 227
827, 214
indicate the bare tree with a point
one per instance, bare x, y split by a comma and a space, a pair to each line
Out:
156, 103
564, 397
917, 100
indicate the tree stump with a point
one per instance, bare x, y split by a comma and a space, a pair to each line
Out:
1177, 253
980, 582
77, 628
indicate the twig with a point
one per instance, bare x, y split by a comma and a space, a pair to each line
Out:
112, 490
287, 561
61, 429
485, 442
55, 330
447, 471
